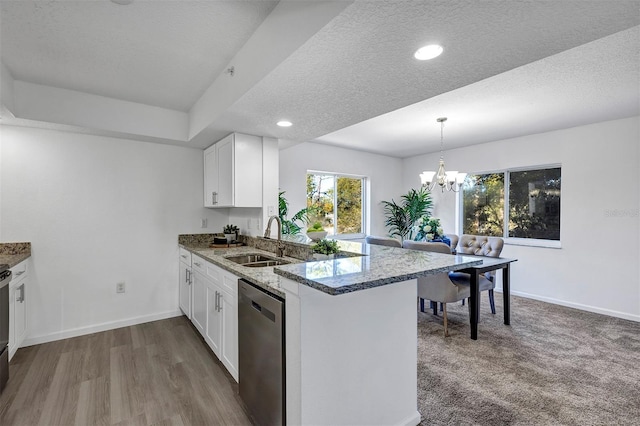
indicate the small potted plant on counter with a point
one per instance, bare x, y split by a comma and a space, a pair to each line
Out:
230, 233
325, 249
316, 232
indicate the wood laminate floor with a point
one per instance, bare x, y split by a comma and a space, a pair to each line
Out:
158, 373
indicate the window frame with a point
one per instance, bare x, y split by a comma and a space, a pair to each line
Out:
516, 241
364, 202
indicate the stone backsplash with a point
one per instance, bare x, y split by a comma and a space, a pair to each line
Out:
296, 246
196, 239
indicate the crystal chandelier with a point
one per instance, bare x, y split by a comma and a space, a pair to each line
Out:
451, 181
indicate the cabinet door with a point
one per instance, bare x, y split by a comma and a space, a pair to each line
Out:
199, 312
20, 313
184, 288
247, 172
12, 313
213, 331
229, 318
225, 160
210, 176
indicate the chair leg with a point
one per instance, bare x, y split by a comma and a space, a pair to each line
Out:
444, 315
441, 306
421, 304
492, 302
462, 302
434, 306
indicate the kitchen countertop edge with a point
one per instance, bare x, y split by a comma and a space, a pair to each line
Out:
264, 278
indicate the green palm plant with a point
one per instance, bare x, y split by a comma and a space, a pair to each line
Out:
400, 218
291, 226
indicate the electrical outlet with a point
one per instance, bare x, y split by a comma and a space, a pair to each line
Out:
248, 223
120, 287
203, 223
271, 211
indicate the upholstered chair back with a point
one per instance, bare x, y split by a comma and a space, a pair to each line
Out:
426, 246
480, 245
454, 240
382, 241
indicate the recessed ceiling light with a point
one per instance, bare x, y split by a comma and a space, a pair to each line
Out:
284, 123
122, 2
428, 52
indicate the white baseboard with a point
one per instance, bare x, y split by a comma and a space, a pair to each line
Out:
81, 331
588, 308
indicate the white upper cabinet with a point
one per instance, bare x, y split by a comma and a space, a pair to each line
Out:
233, 172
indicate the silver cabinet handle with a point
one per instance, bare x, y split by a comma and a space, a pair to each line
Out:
190, 276
220, 302
197, 264
184, 256
216, 303
21, 297
187, 279
20, 273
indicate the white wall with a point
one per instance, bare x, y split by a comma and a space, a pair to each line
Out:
597, 268
97, 211
384, 176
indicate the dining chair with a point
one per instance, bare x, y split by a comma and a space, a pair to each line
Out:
454, 241
382, 241
438, 287
480, 246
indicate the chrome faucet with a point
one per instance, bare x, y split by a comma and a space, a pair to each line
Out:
267, 233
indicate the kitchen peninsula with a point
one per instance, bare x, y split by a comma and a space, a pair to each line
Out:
350, 327
351, 335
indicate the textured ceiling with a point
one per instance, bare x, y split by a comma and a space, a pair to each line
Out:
594, 82
160, 53
509, 67
361, 65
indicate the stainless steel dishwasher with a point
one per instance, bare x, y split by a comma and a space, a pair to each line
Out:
261, 354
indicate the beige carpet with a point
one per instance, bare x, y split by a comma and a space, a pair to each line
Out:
552, 366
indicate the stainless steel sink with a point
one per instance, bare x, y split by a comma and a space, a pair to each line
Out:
264, 263
256, 260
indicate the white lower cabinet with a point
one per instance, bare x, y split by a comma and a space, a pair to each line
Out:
184, 282
199, 313
229, 330
214, 332
215, 310
18, 307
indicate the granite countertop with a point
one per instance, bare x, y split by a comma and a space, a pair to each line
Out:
378, 265
262, 277
14, 253
370, 266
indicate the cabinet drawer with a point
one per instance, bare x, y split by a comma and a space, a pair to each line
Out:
198, 264
185, 256
19, 272
208, 269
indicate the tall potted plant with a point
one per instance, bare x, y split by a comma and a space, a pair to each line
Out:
400, 218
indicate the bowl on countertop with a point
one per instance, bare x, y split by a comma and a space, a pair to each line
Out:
317, 236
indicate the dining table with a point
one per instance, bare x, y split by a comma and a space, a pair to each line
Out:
488, 264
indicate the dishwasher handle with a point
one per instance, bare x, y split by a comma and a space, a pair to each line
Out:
260, 301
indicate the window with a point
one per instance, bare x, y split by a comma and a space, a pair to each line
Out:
338, 203
527, 200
